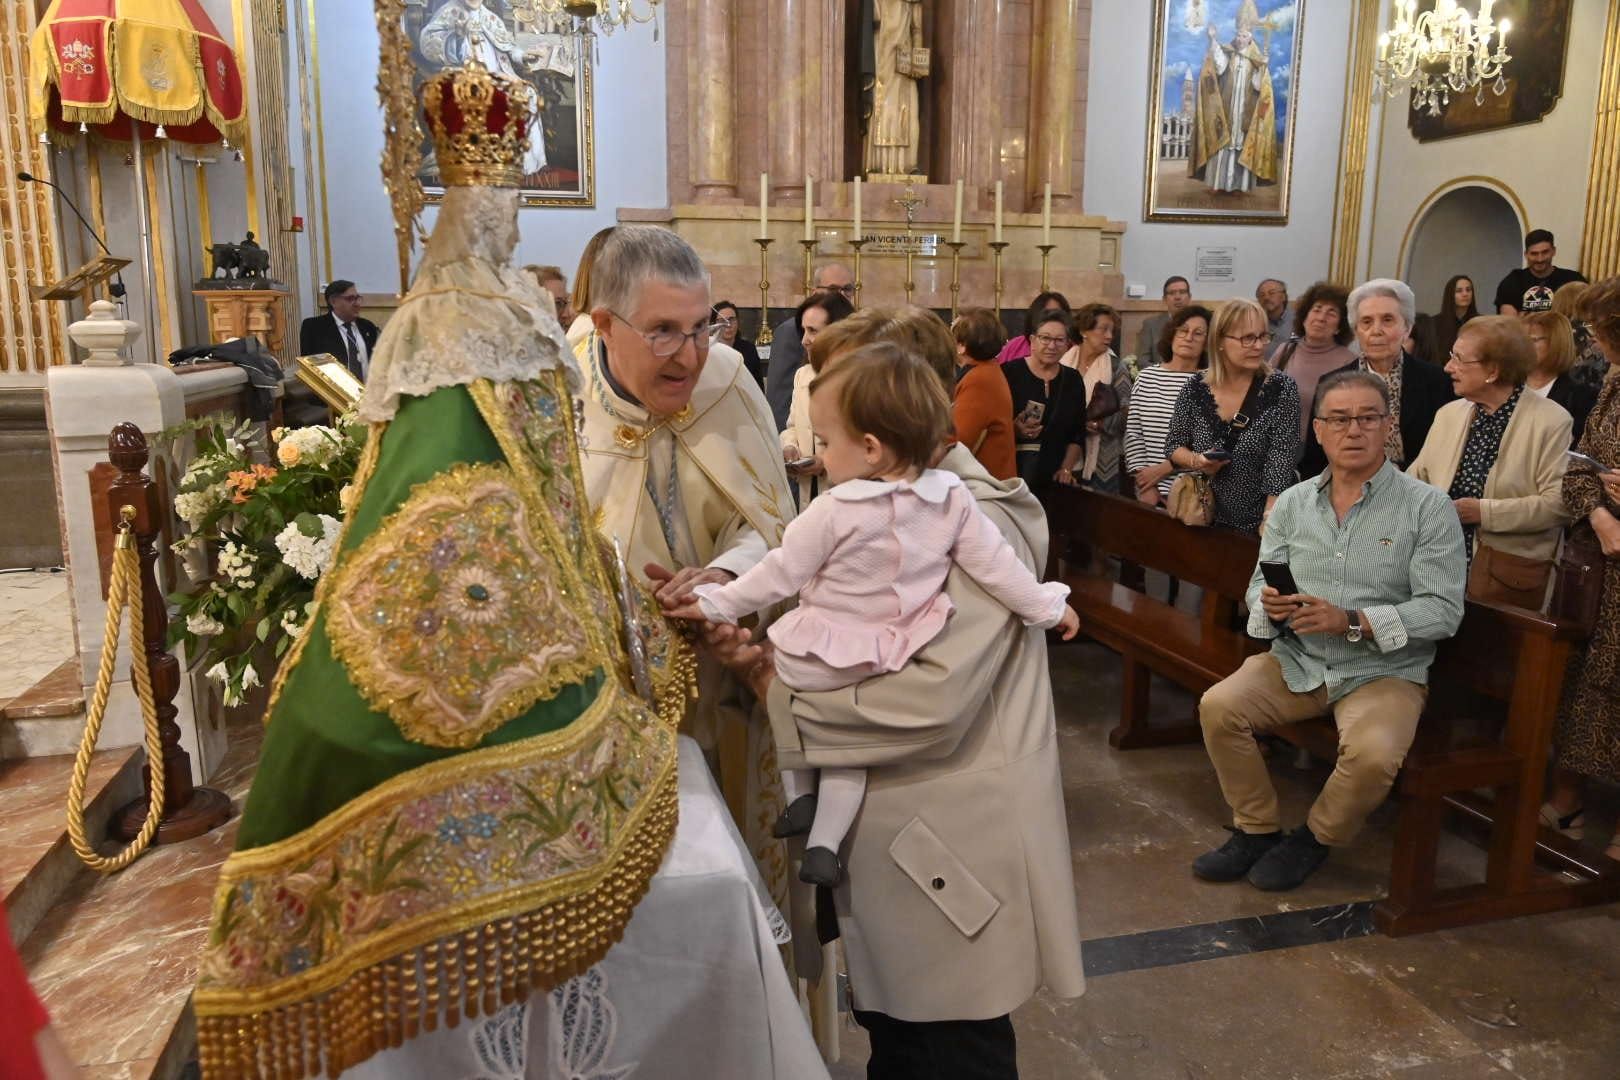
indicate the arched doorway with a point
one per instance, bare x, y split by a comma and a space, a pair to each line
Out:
1473, 230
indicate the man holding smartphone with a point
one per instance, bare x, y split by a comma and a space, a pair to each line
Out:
1372, 561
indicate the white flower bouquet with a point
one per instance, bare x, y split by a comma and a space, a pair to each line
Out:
268, 530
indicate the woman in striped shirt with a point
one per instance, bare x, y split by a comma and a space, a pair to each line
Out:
1180, 352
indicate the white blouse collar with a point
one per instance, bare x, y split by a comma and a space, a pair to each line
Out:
934, 485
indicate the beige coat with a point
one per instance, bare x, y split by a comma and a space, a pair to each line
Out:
959, 901
798, 432
1522, 512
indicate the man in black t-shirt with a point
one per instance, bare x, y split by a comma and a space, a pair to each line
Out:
1531, 287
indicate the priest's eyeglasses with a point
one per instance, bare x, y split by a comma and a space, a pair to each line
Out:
1339, 423
666, 342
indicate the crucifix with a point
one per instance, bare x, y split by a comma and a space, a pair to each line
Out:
910, 201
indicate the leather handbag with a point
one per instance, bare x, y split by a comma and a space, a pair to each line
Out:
1503, 578
1103, 404
1578, 590
1192, 499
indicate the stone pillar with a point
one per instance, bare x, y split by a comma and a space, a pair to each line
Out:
968, 91
1054, 66
785, 70
711, 73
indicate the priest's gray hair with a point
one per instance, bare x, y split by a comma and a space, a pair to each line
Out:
1398, 291
635, 255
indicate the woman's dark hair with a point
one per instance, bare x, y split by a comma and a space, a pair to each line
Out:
1036, 306
1448, 303
1087, 317
715, 307
1062, 318
1175, 323
1325, 292
829, 300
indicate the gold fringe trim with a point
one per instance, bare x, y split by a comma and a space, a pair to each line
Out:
462, 974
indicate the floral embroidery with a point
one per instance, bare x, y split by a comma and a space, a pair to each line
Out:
501, 1044
450, 617
550, 815
583, 1028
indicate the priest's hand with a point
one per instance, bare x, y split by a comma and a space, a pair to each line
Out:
675, 589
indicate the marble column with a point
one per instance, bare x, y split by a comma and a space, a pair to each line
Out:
968, 91
1054, 63
785, 88
711, 73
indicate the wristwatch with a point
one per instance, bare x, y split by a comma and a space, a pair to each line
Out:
1353, 634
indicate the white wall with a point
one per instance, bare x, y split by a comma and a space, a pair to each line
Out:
1470, 230
1116, 133
1544, 166
629, 137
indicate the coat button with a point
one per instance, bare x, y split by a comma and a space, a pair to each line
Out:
938, 883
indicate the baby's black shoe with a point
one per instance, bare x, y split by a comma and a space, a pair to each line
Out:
797, 818
821, 867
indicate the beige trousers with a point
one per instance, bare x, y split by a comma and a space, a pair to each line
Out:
1376, 723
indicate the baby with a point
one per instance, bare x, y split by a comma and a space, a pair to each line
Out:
868, 562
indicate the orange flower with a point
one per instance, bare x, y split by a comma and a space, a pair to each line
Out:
244, 481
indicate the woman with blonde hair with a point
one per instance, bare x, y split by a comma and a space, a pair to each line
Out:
1498, 452
1238, 421
1553, 339
581, 327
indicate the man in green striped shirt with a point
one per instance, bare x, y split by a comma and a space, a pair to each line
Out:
1378, 559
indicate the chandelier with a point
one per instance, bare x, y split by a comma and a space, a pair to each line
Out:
606, 16
1442, 52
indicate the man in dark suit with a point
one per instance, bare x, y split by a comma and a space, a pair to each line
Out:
341, 332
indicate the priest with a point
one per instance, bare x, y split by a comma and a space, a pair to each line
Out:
460, 799
683, 462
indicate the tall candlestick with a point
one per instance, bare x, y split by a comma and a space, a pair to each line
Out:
1046, 215
809, 207
956, 222
764, 335
998, 211
764, 203
858, 235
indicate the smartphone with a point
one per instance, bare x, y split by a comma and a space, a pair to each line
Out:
1033, 411
1279, 577
1580, 461
802, 463
1218, 454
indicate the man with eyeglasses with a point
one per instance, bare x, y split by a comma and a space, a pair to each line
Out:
681, 461
1377, 559
787, 350
342, 333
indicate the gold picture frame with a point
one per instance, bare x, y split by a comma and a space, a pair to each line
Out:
1176, 186
332, 382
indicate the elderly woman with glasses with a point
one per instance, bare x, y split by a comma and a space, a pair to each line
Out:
1049, 405
1238, 421
1499, 454
1382, 313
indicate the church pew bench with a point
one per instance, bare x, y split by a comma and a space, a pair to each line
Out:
1193, 651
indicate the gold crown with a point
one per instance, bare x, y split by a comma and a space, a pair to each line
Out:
479, 124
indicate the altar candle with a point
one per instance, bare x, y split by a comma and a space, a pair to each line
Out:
998, 211
809, 207
857, 208
764, 203
1046, 215
956, 224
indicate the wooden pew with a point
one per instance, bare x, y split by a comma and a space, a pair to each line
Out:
1152, 636
1503, 673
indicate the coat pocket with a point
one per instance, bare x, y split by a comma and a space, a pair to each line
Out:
943, 878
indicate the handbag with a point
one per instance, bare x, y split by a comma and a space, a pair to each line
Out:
1103, 404
1192, 496
1503, 578
1578, 589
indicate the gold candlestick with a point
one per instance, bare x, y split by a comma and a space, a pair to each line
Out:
764, 336
956, 247
1046, 256
809, 251
857, 245
996, 248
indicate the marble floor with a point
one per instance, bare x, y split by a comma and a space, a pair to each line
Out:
1205, 982
36, 629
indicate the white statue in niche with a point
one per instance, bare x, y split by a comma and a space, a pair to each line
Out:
464, 30
894, 132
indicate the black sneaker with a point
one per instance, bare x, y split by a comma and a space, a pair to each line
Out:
1287, 865
1233, 859
797, 818
821, 867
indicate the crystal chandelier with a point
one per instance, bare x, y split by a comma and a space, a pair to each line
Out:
1442, 52
606, 16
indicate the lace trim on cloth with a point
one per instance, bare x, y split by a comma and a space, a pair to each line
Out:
470, 314
452, 618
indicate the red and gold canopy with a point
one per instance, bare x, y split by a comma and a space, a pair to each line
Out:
116, 64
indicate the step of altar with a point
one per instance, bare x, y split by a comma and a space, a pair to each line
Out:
47, 719
114, 957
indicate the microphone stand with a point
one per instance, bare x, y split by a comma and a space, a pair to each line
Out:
117, 287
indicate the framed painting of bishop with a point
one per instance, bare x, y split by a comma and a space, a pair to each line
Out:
1221, 111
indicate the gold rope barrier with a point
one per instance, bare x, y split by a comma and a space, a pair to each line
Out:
124, 590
